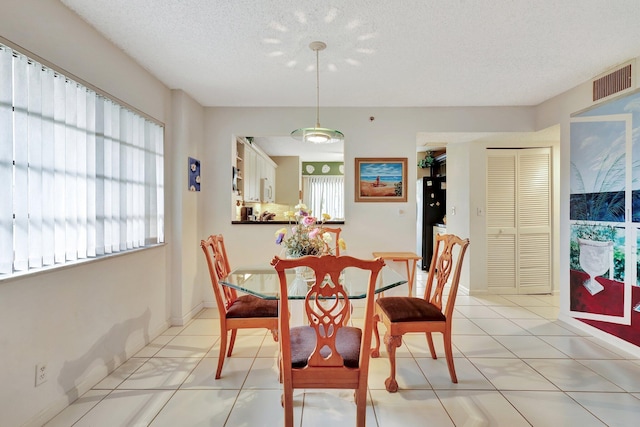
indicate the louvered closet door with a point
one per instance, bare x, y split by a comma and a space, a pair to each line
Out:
501, 221
519, 221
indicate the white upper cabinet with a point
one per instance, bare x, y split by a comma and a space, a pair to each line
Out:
259, 175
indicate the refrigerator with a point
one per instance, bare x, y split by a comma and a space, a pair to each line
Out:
431, 208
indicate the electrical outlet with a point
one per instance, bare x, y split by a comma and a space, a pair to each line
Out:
41, 374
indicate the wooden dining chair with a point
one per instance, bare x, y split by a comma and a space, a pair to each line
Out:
325, 354
235, 312
402, 315
336, 237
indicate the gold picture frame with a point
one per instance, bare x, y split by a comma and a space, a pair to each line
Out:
382, 179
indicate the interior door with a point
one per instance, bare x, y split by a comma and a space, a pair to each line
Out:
519, 221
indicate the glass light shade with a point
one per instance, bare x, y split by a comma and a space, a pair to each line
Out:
318, 135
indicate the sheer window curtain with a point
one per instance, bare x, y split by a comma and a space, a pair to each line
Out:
324, 194
81, 176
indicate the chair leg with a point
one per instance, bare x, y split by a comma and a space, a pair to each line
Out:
287, 404
432, 349
223, 350
392, 342
234, 332
361, 406
449, 354
375, 351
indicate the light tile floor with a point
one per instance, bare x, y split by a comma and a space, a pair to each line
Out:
516, 365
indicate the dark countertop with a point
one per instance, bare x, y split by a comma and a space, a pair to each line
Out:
281, 222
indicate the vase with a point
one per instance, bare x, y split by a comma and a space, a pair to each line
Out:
297, 291
595, 260
303, 279
298, 285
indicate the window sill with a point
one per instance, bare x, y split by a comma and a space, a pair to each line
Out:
5, 278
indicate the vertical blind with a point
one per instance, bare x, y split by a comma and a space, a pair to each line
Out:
80, 175
324, 194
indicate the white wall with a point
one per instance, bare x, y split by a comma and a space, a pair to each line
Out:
559, 110
50, 30
459, 218
368, 226
82, 321
187, 140
287, 189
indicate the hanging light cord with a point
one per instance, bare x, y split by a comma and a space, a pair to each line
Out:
317, 134
317, 89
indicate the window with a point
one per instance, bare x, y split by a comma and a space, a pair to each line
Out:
80, 175
324, 194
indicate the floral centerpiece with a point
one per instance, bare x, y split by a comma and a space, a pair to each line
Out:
307, 236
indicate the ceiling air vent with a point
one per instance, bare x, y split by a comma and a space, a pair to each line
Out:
611, 83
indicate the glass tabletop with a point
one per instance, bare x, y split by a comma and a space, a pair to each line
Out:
262, 281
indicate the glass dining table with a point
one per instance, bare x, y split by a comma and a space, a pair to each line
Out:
262, 281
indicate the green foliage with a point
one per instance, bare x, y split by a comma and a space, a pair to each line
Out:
618, 264
595, 232
574, 256
428, 160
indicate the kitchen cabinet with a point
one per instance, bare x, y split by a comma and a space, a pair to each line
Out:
269, 180
251, 174
258, 173
238, 172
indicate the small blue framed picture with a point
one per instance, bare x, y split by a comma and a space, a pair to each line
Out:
194, 174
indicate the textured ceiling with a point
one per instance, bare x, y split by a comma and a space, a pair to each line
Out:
401, 53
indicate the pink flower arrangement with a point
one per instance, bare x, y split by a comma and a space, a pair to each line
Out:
306, 237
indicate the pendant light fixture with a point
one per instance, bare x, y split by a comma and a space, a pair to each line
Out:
317, 134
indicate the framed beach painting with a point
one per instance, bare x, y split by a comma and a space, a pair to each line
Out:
381, 179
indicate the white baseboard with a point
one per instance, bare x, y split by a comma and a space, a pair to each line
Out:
181, 321
601, 335
93, 377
